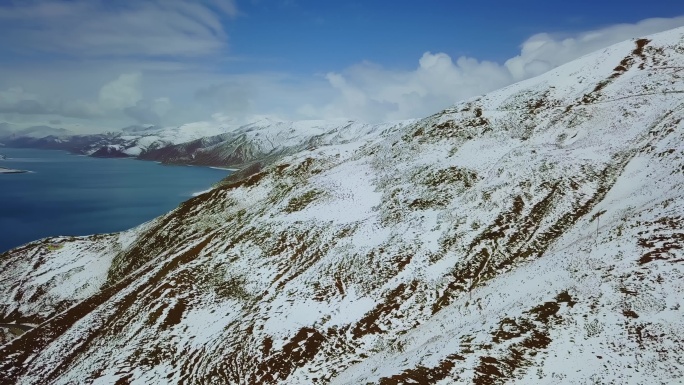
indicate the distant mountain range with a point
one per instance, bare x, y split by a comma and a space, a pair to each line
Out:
203, 144
6, 131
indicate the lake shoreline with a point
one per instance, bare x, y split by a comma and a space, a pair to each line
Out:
216, 166
63, 194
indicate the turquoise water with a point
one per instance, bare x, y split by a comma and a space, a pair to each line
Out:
76, 195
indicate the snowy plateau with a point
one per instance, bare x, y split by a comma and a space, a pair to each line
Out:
533, 235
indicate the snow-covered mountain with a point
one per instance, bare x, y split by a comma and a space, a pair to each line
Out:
130, 142
8, 130
267, 140
136, 143
531, 235
209, 143
36, 136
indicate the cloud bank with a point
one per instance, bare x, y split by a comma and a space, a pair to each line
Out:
149, 62
95, 28
370, 92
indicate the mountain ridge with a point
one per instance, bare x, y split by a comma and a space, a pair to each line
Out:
203, 144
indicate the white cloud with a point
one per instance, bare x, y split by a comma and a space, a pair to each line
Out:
149, 111
230, 97
95, 28
370, 92
120, 98
16, 100
121, 93
12, 99
544, 51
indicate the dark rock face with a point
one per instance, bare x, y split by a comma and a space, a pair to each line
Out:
109, 152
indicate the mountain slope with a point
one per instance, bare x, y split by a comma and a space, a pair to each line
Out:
206, 144
267, 141
131, 141
532, 235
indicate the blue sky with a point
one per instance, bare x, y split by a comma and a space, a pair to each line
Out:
321, 35
94, 65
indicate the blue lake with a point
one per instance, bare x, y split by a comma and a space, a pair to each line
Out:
76, 195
